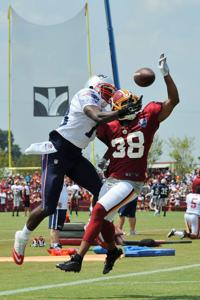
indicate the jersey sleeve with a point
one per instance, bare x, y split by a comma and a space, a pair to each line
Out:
89, 97
101, 133
153, 108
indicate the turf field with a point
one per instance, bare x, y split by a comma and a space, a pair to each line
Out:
154, 278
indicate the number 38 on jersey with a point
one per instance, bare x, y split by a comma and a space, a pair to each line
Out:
134, 147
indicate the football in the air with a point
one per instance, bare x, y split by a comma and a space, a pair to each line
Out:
144, 77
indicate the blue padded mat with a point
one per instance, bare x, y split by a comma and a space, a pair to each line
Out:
137, 251
99, 250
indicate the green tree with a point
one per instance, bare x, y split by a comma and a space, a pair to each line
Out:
155, 151
3, 159
16, 152
4, 139
181, 153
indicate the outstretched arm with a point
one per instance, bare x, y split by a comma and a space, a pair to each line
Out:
172, 91
94, 113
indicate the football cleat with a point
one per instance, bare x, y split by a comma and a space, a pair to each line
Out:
112, 256
56, 246
72, 265
171, 233
157, 212
132, 232
19, 248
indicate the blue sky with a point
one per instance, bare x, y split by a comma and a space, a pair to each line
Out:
143, 29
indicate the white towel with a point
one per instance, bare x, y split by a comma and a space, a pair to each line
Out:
41, 148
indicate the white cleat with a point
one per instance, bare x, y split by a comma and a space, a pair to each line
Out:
132, 232
19, 248
171, 233
156, 213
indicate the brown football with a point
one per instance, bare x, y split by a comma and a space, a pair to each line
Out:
144, 77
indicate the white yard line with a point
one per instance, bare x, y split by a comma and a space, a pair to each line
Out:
93, 280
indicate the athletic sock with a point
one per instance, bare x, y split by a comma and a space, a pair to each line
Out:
25, 233
179, 233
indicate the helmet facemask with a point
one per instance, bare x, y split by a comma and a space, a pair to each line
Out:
103, 85
106, 91
123, 97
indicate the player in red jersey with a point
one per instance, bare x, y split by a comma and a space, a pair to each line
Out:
128, 140
196, 181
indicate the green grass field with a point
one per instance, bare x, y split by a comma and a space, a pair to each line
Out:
168, 277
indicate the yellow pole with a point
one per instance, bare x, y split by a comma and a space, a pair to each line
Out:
88, 39
9, 91
89, 65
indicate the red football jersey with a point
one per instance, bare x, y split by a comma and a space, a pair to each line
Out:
195, 183
128, 145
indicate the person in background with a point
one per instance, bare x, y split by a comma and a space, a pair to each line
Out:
74, 199
154, 194
26, 198
3, 200
163, 196
57, 220
17, 197
128, 211
191, 216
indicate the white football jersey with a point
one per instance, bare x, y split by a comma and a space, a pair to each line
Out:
193, 204
76, 127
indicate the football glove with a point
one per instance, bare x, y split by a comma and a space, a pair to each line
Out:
130, 108
162, 65
102, 163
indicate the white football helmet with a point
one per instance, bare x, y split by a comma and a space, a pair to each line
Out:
103, 85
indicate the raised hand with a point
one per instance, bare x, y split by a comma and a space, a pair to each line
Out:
162, 65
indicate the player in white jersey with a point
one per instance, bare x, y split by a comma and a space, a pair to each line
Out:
85, 112
191, 217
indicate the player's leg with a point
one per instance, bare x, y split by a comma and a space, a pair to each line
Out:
108, 234
115, 194
17, 206
52, 182
121, 221
194, 227
85, 175
189, 220
56, 223
132, 216
164, 206
120, 192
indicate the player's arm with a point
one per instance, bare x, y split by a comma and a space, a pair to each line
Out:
103, 161
94, 113
172, 91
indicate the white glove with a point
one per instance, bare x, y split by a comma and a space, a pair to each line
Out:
163, 65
